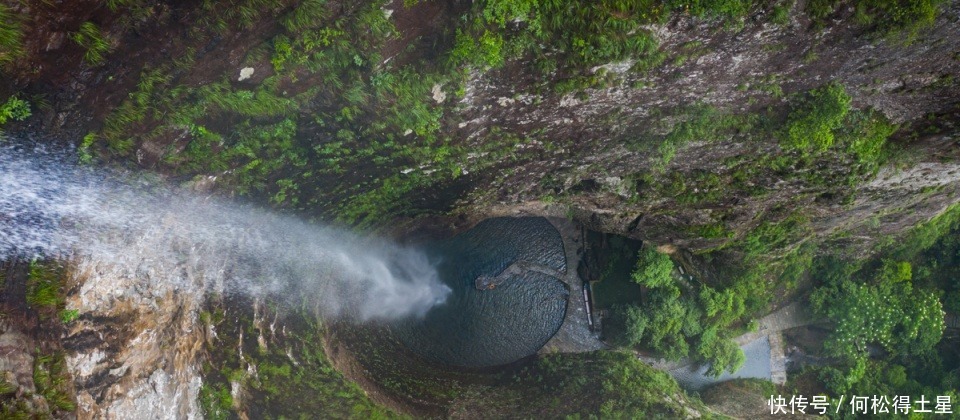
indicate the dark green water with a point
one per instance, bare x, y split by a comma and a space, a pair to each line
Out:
476, 328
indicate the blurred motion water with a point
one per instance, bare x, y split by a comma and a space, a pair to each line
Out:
173, 239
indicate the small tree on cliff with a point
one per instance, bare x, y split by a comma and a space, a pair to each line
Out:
653, 269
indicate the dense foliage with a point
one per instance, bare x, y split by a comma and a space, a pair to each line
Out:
894, 18
811, 124
888, 314
887, 311
675, 322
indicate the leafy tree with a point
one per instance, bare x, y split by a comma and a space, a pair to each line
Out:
666, 322
811, 124
722, 353
887, 311
840, 381
630, 323
724, 306
653, 269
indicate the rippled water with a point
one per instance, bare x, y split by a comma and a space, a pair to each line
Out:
757, 365
476, 328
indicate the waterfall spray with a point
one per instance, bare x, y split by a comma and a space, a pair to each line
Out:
181, 241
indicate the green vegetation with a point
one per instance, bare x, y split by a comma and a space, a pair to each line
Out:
288, 367
894, 18
216, 401
826, 133
811, 124
676, 322
886, 311
69, 315
45, 291
44, 287
50, 376
700, 123
84, 155
14, 109
605, 384
91, 40
11, 36
293, 148
762, 264
653, 269
781, 13
894, 301
53, 397
587, 35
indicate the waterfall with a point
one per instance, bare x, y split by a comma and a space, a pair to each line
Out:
177, 239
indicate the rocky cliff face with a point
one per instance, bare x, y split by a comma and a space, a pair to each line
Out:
742, 71
136, 347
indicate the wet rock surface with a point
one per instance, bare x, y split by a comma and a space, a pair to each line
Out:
137, 344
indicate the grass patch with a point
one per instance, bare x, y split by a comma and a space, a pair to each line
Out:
44, 287
51, 378
11, 35
91, 40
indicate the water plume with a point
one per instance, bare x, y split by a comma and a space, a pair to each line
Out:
173, 239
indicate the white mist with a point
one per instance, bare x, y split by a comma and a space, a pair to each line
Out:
167, 238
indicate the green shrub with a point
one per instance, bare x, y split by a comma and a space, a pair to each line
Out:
818, 10
628, 325
653, 269
811, 124
864, 137
485, 51
85, 156
781, 14
886, 311
216, 401
730, 9
903, 19
608, 31
14, 109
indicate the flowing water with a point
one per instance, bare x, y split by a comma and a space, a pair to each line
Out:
480, 328
172, 239
756, 365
